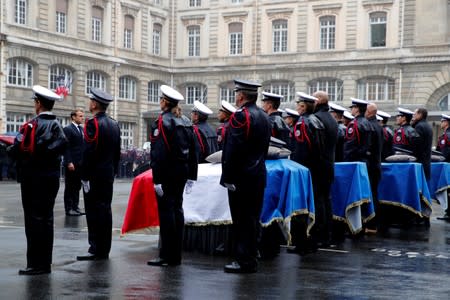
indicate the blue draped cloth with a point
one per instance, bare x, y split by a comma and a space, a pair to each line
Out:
351, 195
405, 185
288, 192
440, 178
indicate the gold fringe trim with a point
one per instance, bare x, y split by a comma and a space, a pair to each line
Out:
145, 230
215, 223
347, 209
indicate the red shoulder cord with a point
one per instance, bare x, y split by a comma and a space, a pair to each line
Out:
403, 140
199, 138
95, 137
303, 134
240, 125
163, 133
28, 136
355, 127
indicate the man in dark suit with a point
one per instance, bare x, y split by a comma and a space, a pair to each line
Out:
37, 150
244, 174
72, 163
100, 164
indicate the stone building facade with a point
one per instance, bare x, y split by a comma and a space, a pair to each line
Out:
393, 52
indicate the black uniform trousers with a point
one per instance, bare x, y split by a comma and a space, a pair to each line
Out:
171, 220
321, 231
72, 181
38, 201
245, 207
97, 205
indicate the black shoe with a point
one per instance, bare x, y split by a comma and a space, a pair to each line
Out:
72, 213
79, 211
92, 257
34, 271
445, 217
158, 262
235, 267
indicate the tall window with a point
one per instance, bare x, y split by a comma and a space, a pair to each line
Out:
196, 92
235, 31
333, 87
20, 72
21, 12
194, 40
376, 88
128, 32
153, 91
127, 88
95, 80
279, 36
377, 29
14, 121
195, 3
61, 16
156, 39
227, 93
126, 134
281, 88
327, 32
444, 104
59, 77
96, 24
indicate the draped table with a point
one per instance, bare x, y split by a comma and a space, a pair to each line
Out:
351, 195
404, 185
439, 183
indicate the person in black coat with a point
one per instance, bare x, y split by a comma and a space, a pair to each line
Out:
72, 163
290, 117
100, 165
444, 147
337, 112
270, 104
244, 174
424, 140
224, 114
37, 150
206, 137
388, 135
174, 167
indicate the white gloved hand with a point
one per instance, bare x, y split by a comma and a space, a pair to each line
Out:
189, 185
158, 189
230, 187
86, 186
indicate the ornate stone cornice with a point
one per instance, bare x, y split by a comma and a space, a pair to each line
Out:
129, 9
193, 20
231, 17
279, 13
377, 5
99, 3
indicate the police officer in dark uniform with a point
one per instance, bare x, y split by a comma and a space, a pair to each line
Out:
174, 166
100, 164
270, 104
424, 139
224, 114
388, 135
38, 149
244, 174
206, 137
444, 147
290, 117
358, 135
405, 137
337, 112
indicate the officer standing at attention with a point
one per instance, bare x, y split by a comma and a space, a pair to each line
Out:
358, 135
244, 173
290, 117
206, 137
38, 149
174, 167
72, 163
337, 112
270, 104
405, 136
388, 135
100, 164
444, 147
424, 139
224, 114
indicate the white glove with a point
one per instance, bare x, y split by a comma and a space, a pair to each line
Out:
230, 187
189, 185
158, 189
86, 186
